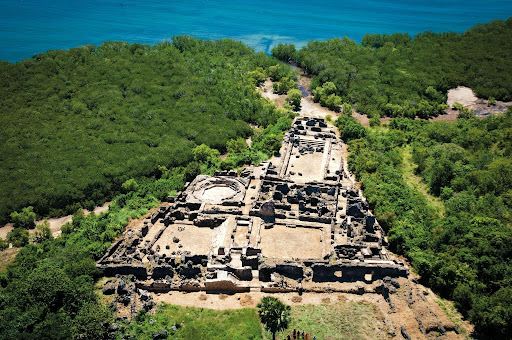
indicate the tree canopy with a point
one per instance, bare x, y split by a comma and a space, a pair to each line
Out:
462, 248
398, 76
77, 124
274, 314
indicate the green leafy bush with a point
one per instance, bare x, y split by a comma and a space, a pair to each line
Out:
19, 237
24, 219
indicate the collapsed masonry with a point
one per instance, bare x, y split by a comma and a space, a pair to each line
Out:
292, 224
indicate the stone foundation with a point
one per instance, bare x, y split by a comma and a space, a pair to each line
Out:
283, 226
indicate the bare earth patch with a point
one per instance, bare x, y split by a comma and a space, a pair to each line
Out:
288, 243
297, 299
466, 97
7, 256
267, 91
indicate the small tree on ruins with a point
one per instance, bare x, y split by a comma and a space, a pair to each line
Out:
274, 315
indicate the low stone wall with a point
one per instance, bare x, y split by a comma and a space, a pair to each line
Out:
139, 271
250, 261
161, 272
224, 286
353, 273
244, 274
278, 289
195, 259
291, 270
189, 272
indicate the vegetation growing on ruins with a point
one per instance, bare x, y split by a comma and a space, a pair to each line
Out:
465, 255
397, 76
77, 124
133, 123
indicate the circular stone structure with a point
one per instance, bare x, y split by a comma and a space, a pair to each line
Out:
218, 193
217, 190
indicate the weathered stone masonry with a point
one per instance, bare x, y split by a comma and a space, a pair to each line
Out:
292, 224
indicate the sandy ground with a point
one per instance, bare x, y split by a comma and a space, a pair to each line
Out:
282, 242
466, 97
55, 223
463, 95
250, 300
268, 92
190, 238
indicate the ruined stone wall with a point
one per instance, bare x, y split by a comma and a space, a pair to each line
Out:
269, 228
353, 273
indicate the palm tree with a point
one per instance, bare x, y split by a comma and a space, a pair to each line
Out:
274, 314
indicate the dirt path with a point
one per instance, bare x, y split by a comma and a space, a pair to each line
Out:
55, 223
309, 108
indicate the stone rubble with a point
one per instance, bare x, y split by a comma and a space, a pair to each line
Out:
292, 224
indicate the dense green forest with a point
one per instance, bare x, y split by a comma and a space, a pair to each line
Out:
398, 76
463, 249
127, 121
48, 292
76, 124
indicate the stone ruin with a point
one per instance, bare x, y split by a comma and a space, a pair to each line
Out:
293, 224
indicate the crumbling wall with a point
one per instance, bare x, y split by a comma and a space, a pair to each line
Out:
139, 271
348, 228
224, 286
353, 273
161, 272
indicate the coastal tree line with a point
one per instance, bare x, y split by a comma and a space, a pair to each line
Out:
400, 76
132, 123
77, 124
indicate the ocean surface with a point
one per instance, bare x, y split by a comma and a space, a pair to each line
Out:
28, 27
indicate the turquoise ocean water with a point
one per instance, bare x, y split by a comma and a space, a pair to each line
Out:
28, 27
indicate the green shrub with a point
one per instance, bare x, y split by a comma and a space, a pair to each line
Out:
463, 253
398, 76
3, 244
130, 185
24, 219
19, 237
374, 122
